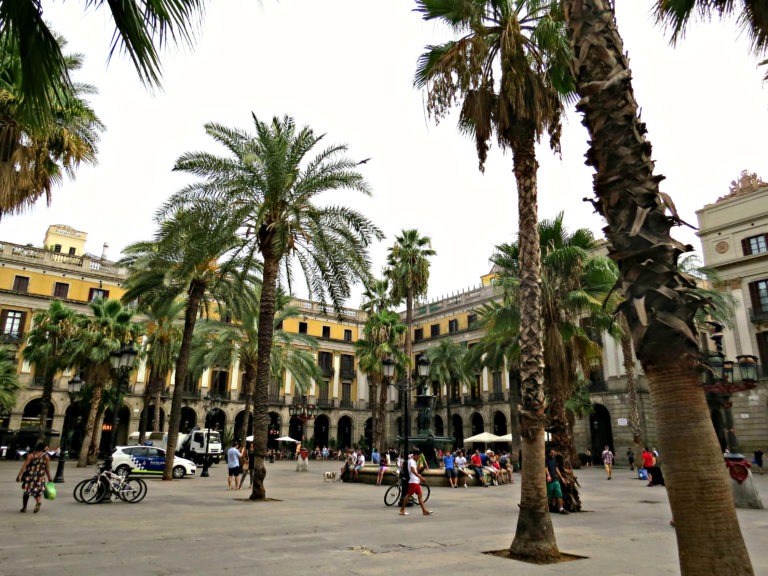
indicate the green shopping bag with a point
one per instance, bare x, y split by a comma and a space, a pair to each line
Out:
50, 491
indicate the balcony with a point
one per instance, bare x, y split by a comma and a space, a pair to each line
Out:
191, 395
346, 373
345, 404
12, 338
324, 403
496, 397
326, 370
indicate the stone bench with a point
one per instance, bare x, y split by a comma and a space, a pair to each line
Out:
434, 478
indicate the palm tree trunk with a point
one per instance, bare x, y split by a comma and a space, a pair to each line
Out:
194, 297
381, 417
146, 400
629, 372
261, 393
250, 385
660, 308
535, 536
90, 426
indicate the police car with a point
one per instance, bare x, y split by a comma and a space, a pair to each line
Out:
148, 460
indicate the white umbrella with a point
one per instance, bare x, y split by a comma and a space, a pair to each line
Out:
286, 439
505, 438
483, 437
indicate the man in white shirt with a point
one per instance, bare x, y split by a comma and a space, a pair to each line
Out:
414, 487
358, 464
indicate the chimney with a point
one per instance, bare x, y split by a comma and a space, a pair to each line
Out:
104, 250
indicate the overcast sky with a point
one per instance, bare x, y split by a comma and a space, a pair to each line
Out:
345, 68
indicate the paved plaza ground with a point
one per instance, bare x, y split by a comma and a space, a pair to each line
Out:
196, 526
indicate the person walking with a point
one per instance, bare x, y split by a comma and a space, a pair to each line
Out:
631, 458
554, 490
608, 461
758, 460
414, 487
33, 474
233, 466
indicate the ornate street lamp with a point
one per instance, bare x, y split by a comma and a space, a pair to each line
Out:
748, 368
73, 389
122, 363
211, 405
303, 412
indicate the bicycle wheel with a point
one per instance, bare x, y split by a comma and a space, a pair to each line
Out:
424, 492
392, 495
93, 491
78, 487
132, 490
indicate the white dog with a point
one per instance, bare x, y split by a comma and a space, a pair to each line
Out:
329, 476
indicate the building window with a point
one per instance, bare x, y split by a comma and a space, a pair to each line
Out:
418, 334
97, 294
71, 251
497, 391
347, 335
21, 284
325, 361
219, 380
57, 247
434, 330
755, 244
471, 320
759, 294
302, 327
60, 290
346, 395
326, 331
453, 326
12, 322
347, 366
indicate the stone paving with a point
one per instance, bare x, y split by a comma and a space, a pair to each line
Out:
309, 526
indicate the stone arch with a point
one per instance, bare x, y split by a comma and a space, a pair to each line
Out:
600, 430
438, 426
30, 418
114, 431
499, 423
150, 415
273, 431
216, 419
239, 423
322, 430
188, 419
344, 430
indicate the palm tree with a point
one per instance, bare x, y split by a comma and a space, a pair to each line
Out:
382, 335
141, 27
408, 273
33, 157
751, 15
49, 349
574, 289
269, 185
447, 366
660, 304
109, 329
525, 40
221, 343
9, 380
194, 258
162, 349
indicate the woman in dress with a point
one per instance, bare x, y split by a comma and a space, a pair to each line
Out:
33, 475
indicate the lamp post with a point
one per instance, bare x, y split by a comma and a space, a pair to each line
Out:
210, 406
304, 412
122, 363
74, 386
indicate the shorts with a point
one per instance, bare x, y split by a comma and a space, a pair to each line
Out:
554, 490
413, 488
358, 468
450, 472
236, 471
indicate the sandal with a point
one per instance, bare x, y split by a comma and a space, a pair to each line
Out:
37, 508
404, 513
429, 512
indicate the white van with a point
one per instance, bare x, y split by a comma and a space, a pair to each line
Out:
156, 438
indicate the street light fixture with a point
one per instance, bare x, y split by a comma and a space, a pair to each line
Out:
122, 363
211, 405
74, 386
304, 412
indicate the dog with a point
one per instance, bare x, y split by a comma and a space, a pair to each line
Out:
329, 476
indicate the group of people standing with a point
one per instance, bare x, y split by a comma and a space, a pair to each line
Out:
240, 462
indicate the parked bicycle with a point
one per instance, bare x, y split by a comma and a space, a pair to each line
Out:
392, 495
105, 484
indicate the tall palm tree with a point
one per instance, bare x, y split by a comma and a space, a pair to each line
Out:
574, 288
49, 349
106, 332
660, 304
269, 184
220, 343
408, 273
447, 366
193, 257
524, 39
141, 27
382, 336
751, 15
33, 157
9, 379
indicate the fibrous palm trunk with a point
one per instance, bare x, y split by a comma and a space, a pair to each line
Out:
195, 296
261, 393
660, 306
535, 536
